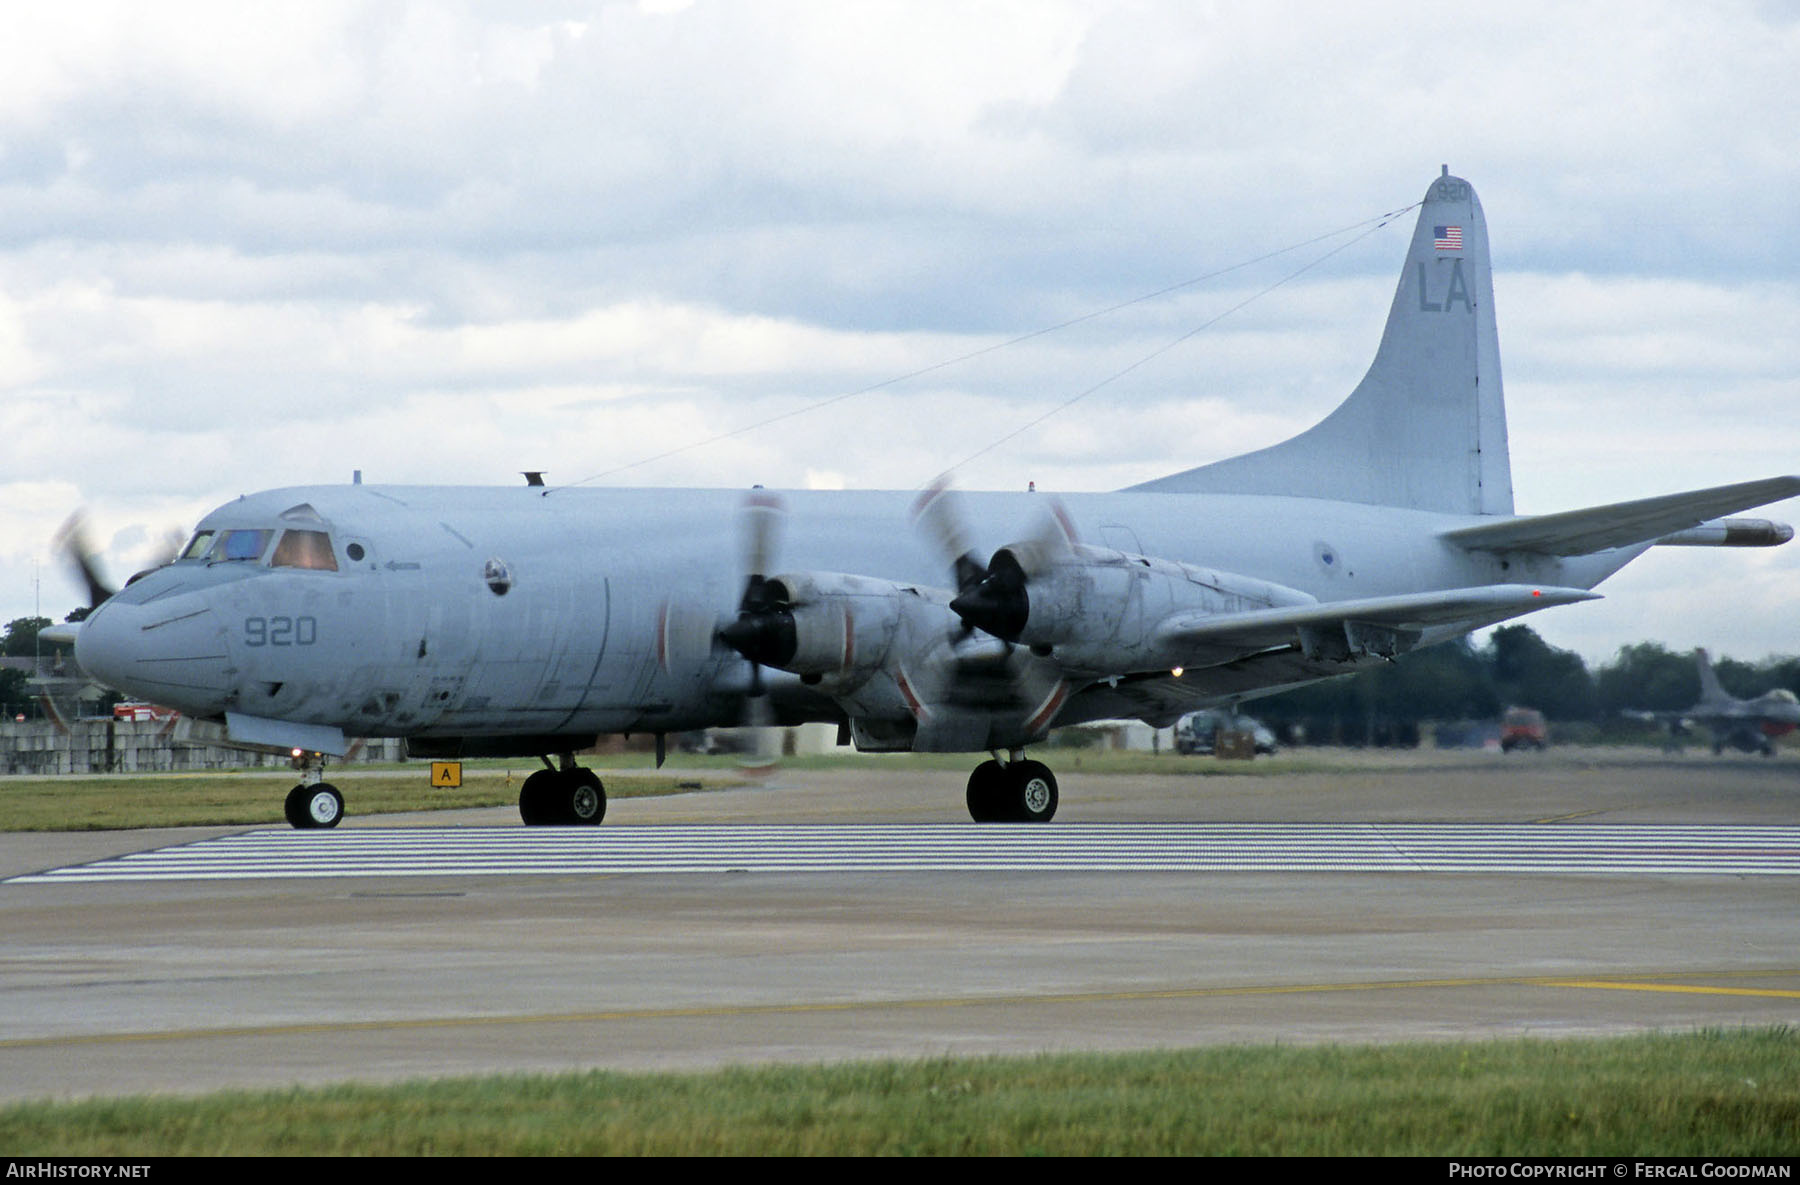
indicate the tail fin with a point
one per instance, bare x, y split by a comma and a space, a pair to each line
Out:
1426, 427
1709, 681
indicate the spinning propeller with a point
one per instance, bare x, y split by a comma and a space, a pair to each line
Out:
850, 628
763, 630
72, 540
992, 597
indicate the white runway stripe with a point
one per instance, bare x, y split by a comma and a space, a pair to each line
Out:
1061, 847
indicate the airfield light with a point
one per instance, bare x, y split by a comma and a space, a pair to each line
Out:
1177, 672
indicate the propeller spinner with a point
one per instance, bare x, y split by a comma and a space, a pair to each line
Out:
992, 597
763, 630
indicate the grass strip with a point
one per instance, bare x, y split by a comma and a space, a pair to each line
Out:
1713, 1093
124, 801
109, 802
250, 796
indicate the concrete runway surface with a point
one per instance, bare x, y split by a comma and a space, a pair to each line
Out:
193, 985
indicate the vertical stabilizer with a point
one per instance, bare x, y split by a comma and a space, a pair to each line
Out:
1426, 427
1710, 690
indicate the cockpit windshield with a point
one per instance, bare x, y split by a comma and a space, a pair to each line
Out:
197, 546
304, 549
294, 549
241, 545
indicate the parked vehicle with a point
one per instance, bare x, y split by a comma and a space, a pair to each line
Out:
1198, 732
1522, 728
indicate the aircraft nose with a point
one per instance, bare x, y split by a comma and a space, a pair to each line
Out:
170, 651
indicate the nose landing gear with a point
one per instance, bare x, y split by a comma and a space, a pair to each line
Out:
314, 803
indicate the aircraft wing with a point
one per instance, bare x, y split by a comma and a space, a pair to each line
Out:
1235, 656
1206, 634
1620, 524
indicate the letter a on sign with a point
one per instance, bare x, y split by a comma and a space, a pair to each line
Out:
446, 775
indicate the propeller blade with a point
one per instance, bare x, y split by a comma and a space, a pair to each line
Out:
763, 630
938, 515
759, 736
685, 634
761, 521
72, 539
1051, 542
1000, 602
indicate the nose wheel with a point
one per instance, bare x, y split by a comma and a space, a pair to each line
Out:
1012, 792
314, 804
566, 796
314, 807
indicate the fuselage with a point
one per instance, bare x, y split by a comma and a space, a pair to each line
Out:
457, 611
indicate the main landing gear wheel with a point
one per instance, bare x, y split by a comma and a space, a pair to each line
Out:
1019, 792
314, 807
987, 785
552, 797
585, 803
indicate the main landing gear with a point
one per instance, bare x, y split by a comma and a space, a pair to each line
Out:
314, 803
1012, 791
564, 793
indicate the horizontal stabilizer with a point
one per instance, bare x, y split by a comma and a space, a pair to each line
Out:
1598, 528
1363, 623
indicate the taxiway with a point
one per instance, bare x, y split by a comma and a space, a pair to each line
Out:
117, 985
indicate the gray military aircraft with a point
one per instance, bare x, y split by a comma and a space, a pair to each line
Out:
1747, 724
526, 621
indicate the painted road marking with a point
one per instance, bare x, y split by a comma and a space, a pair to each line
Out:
1081, 847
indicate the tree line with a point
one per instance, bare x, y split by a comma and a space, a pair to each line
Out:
19, 640
1461, 681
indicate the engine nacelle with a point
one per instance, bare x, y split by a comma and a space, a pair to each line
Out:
1098, 609
844, 625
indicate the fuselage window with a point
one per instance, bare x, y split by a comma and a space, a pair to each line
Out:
197, 545
242, 545
304, 549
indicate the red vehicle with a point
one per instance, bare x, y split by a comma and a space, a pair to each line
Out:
1522, 728
136, 710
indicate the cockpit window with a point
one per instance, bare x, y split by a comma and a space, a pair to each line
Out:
241, 545
197, 545
304, 549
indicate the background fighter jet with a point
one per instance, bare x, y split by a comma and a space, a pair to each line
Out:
1747, 724
527, 621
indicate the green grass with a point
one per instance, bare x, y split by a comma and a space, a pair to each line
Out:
108, 802
254, 797
122, 801
1716, 1093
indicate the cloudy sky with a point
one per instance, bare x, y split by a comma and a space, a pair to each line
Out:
254, 245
